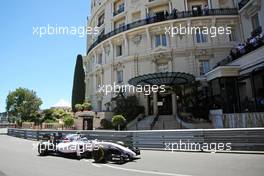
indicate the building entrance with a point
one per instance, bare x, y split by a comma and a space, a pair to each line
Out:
164, 104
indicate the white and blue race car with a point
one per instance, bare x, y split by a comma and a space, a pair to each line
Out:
80, 147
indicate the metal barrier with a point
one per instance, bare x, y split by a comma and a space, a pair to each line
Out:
247, 139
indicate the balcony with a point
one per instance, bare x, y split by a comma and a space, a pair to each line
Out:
247, 48
156, 19
242, 3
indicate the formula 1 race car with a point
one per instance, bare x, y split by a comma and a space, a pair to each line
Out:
80, 147
71, 145
113, 152
131, 147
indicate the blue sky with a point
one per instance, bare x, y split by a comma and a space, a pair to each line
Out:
44, 64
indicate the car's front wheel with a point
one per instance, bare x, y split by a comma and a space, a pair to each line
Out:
122, 160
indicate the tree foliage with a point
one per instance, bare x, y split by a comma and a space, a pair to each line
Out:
68, 120
23, 104
127, 106
55, 115
78, 107
78, 90
48, 116
87, 106
105, 124
118, 121
195, 101
59, 113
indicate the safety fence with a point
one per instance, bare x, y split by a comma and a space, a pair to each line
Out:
244, 139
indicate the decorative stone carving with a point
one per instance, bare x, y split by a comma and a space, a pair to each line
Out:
107, 49
137, 39
222, 2
118, 66
180, 36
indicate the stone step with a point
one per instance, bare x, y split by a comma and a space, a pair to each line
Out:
143, 124
166, 122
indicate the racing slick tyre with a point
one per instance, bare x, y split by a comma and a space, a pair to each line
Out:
42, 150
122, 160
99, 155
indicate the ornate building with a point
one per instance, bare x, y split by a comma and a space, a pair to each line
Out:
133, 41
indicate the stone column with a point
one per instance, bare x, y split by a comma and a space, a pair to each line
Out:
147, 11
126, 53
94, 82
103, 55
209, 4
148, 39
186, 5
112, 63
170, 7
170, 66
94, 59
174, 103
112, 52
154, 67
155, 103
171, 37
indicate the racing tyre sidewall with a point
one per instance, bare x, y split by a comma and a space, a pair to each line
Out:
41, 151
99, 155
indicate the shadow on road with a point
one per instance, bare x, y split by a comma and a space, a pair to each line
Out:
74, 157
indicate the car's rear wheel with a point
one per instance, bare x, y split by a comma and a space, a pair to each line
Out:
42, 150
99, 155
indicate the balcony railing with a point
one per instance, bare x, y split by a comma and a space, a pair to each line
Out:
156, 19
242, 3
248, 47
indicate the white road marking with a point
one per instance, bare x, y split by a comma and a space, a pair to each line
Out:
96, 165
144, 172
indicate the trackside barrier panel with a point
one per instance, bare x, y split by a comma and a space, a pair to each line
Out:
249, 139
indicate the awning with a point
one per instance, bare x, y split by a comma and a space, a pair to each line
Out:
162, 78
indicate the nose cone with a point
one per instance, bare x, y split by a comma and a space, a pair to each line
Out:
132, 154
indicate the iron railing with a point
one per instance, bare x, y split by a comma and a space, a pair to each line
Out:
155, 120
248, 49
156, 19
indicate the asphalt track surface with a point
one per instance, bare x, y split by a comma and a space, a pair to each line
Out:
19, 157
